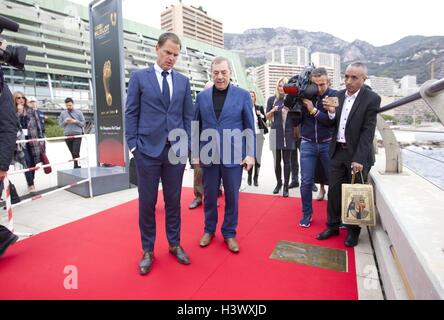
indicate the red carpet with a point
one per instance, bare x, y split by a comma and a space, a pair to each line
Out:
105, 248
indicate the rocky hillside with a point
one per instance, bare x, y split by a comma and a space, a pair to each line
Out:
406, 56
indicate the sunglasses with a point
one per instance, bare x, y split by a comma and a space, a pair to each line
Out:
19, 98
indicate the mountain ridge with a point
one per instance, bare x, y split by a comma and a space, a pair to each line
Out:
407, 56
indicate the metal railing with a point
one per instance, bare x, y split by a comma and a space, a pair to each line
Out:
10, 206
432, 92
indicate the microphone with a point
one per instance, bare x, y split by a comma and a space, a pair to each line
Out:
8, 24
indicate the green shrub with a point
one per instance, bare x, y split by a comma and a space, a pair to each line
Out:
52, 131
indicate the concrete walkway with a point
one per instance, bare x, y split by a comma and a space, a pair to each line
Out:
64, 207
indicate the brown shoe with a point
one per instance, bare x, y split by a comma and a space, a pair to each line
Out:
232, 244
180, 254
146, 262
206, 239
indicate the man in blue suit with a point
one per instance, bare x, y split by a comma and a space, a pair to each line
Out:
159, 101
225, 113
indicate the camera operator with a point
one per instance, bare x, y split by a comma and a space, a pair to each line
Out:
8, 135
316, 134
14, 56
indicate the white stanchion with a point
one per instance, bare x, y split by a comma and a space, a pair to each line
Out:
10, 206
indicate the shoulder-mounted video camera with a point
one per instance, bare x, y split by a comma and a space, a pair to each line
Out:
300, 87
14, 56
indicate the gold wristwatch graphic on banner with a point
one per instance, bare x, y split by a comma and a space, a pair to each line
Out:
106, 76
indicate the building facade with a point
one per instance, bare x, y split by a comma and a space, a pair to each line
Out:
193, 23
383, 86
331, 61
58, 63
289, 55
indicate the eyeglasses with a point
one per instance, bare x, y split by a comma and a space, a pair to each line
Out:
19, 98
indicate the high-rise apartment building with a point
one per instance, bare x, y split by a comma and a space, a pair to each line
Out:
193, 23
289, 55
329, 60
408, 85
266, 76
382, 85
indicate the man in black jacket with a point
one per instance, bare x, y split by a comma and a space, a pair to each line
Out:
8, 136
351, 149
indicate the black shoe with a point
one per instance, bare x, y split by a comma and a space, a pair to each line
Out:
249, 179
277, 189
256, 184
180, 254
10, 241
314, 188
146, 262
352, 238
285, 193
293, 184
328, 233
196, 202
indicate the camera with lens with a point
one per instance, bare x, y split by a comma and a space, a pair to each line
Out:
14, 56
300, 87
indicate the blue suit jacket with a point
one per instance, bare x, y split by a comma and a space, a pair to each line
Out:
237, 113
148, 120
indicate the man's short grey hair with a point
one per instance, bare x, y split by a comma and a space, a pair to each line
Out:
318, 72
219, 60
359, 65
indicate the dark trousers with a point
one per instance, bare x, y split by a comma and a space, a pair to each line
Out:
30, 162
149, 172
340, 172
5, 234
280, 155
294, 165
231, 178
74, 148
197, 183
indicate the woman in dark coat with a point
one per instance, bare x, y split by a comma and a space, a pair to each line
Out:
30, 125
260, 129
281, 136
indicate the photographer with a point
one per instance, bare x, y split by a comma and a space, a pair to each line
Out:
8, 134
316, 134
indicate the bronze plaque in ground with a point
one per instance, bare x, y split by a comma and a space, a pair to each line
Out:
302, 253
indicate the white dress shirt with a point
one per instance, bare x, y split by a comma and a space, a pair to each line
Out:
160, 78
256, 122
346, 108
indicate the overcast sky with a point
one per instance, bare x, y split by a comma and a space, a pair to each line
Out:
378, 22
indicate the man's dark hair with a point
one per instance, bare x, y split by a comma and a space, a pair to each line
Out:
169, 36
318, 72
69, 100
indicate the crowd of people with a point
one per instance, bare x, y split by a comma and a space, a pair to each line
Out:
30, 125
333, 142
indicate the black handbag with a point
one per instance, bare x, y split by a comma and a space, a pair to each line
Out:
14, 195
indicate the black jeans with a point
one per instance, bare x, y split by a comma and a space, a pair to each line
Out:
280, 155
74, 148
294, 164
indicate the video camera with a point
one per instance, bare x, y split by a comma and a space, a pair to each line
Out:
15, 56
300, 87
